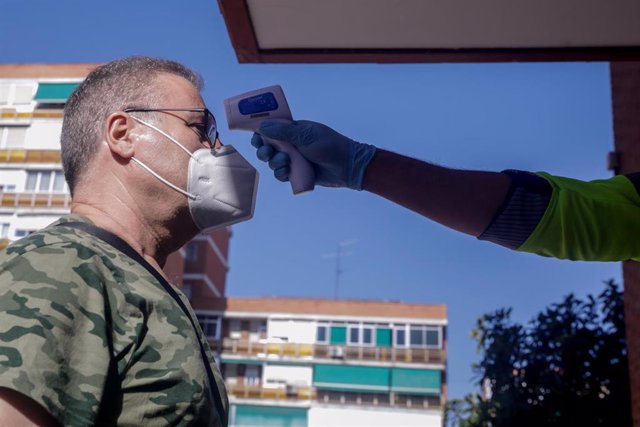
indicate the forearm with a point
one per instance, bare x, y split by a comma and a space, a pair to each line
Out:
462, 200
17, 409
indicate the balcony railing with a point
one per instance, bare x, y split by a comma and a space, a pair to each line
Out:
389, 400
35, 200
385, 400
325, 351
259, 392
13, 114
29, 156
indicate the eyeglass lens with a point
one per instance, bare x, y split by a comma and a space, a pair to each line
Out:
211, 127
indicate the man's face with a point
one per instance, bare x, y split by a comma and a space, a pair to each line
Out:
157, 151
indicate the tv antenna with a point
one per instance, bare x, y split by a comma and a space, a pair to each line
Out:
338, 254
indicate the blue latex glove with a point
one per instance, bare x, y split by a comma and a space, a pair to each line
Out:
338, 161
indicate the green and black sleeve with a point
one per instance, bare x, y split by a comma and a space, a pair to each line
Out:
568, 218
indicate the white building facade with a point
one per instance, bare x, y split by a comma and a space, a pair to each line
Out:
33, 191
307, 362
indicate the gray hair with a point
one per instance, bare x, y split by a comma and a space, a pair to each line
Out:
117, 85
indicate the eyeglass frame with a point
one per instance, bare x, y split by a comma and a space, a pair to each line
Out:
206, 111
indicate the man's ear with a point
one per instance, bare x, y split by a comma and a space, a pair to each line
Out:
119, 134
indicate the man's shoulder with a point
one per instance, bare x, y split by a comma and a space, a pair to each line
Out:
59, 253
56, 235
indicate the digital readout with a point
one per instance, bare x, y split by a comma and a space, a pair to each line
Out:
258, 104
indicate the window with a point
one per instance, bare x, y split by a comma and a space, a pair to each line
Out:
191, 253
230, 372
257, 330
367, 335
234, 325
417, 336
262, 329
4, 230
210, 325
354, 334
16, 93
58, 182
187, 289
32, 179
361, 334
400, 336
20, 232
23, 94
46, 181
433, 337
252, 375
322, 335
7, 188
234, 329
12, 136
4, 94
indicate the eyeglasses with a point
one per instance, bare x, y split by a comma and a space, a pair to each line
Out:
207, 129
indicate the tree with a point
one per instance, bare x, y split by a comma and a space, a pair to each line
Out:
566, 367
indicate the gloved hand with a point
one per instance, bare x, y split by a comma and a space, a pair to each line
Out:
338, 161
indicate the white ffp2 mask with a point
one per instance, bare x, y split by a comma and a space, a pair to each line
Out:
221, 184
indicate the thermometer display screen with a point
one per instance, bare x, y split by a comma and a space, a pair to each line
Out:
258, 104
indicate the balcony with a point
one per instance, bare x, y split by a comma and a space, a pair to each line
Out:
35, 200
13, 114
243, 391
297, 394
383, 400
30, 156
326, 351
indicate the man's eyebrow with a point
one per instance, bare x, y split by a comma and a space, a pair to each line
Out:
196, 115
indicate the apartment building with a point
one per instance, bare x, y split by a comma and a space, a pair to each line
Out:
320, 362
33, 192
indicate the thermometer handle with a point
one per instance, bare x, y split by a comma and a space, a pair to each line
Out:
302, 176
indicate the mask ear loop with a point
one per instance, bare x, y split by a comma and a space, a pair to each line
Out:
164, 181
160, 131
152, 172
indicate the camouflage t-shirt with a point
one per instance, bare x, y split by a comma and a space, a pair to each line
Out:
93, 337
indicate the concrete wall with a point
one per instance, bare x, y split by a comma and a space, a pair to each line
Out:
277, 376
44, 134
297, 331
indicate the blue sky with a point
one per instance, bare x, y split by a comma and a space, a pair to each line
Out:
554, 117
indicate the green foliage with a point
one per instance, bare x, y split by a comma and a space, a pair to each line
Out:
566, 367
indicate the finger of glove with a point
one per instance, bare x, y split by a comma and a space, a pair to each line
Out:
282, 131
279, 160
282, 174
256, 141
265, 153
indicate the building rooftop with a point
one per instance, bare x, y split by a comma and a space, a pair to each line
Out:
35, 71
311, 306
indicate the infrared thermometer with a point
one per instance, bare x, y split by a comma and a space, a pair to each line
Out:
246, 111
